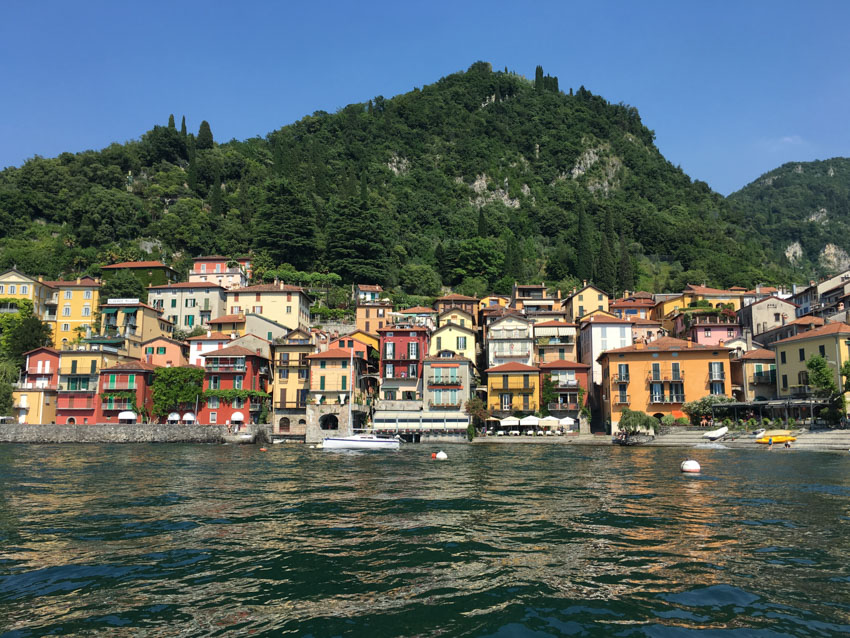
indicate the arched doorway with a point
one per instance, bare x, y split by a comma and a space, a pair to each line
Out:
302, 423
329, 422
658, 416
72, 421
283, 424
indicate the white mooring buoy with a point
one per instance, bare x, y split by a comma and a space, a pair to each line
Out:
690, 466
441, 456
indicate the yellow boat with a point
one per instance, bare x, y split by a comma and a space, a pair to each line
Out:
782, 438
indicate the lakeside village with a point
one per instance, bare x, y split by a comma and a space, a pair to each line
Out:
465, 365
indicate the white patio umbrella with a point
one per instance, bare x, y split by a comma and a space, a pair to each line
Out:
511, 420
529, 420
567, 420
549, 422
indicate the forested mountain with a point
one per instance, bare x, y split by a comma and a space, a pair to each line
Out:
475, 181
803, 209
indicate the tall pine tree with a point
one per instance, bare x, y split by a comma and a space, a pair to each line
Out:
183, 127
171, 122
214, 198
538, 79
286, 229
205, 137
606, 269
584, 246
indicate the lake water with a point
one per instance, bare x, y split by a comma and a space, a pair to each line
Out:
500, 540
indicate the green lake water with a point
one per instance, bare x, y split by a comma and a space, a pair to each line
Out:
500, 540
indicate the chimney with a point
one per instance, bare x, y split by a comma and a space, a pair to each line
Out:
209, 333
690, 343
758, 289
78, 280
584, 283
640, 345
40, 278
784, 317
232, 335
748, 335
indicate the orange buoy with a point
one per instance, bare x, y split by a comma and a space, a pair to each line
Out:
433, 455
262, 449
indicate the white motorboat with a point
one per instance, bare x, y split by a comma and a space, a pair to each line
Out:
716, 434
361, 442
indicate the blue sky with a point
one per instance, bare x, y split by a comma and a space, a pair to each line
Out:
732, 89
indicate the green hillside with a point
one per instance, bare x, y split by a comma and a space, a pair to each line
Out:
803, 210
475, 181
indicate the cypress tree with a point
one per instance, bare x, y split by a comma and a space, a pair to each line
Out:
606, 269
538, 79
215, 200
171, 122
183, 127
482, 223
584, 248
625, 273
205, 137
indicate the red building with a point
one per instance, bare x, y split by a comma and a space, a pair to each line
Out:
234, 368
568, 378
125, 393
403, 350
41, 368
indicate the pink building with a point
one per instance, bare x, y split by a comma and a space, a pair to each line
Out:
163, 352
215, 269
403, 350
707, 328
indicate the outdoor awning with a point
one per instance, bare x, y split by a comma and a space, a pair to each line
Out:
126, 415
174, 416
129, 311
108, 311
529, 420
189, 416
237, 416
511, 420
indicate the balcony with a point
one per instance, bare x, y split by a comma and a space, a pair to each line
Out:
508, 334
620, 378
64, 387
569, 384
255, 406
766, 378
123, 405
8, 308
622, 400
514, 386
799, 390
669, 376
290, 405
219, 273
677, 398
657, 398
65, 408
444, 406
563, 407
702, 320
444, 381
122, 385
224, 367
510, 408
543, 342
20, 405
34, 385
293, 363
48, 316
398, 376
717, 375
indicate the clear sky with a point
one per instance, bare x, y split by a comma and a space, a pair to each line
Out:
732, 89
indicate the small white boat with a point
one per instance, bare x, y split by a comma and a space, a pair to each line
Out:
244, 437
716, 434
361, 442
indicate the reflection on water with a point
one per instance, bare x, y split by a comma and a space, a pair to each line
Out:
500, 540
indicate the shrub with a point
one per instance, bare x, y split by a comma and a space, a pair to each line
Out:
727, 422
683, 420
634, 421
668, 420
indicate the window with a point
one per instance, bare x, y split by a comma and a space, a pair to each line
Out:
623, 371
380, 312
87, 311
213, 417
389, 395
412, 350
24, 289
802, 354
160, 350
716, 387
203, 268
189, 303
283, 374
344, 381
323, 364
461, 343
67, 294
2, 289
289, 310
344, 364
581, 311
93, 367
599, 297
288, 296
730, 332
66, 327
322, 382
237, 381
173, 303
148, 349
189, 320
238, 402
776, 317
707, 333
782, 357
214, 382
66, 311
389, 350
803, 377
389, 370
73, 366
784, 381
257, 310
822, 350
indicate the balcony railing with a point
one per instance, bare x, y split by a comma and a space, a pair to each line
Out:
661, 377
765, 377
401, 375
20, 405
566, 383
621, 400
213, 367
64, 387
255, 406
569, 407
121, 385
282, 405
677, 398
450, 381
508, 334
542, 342
507, 354
87, 406
717, 375
34, 385
226, 271
444, 405
525, 407
514, 386
800, 389
124, 405
293, 363
657, 398
620, 378
49, 316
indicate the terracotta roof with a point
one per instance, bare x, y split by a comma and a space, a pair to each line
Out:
663, 344
332, 353
213, 336
456, 297
211, 257
554, 323
759, 354
131, 365
705, 290
418, 310
513, 367
583, 288
370, 288
185, 284
807, 321
162, 338
88, 282
642, 294
400, 327
762, 289
604, 319
228, 319
771, 298
48, 348
824, 331
234, 351
455, 309
550, 365
268, 288
136, 264
631, 303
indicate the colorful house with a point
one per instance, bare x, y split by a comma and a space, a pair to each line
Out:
74, 305
125, 324
585, 300
403, 349
454, 300
569, 384
222, 271
188, 304
17, 285
754, 375
291, 383
164, 352
239, 369
598, 334
126, 392
513, 387
659, 377
336, 378
534, 298
829, 341
79, 376
555, 341
34, 397
766, 314
371, 316
707, 326
229, 324
204, 344
417, 316
149, 273
510, 339
287, 305
453, 338
457, 317
367, 293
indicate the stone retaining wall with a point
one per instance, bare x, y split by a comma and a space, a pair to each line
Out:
120, 433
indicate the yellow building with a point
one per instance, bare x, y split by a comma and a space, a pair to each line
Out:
659, 377
513, 387
34, 396
125, 324
457, 316
285, 304
373, 341
332, 374
76, 305
16, 285
493, 301
584, 301
829, 341
291, 382
453, 337
754, 375
229, 325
